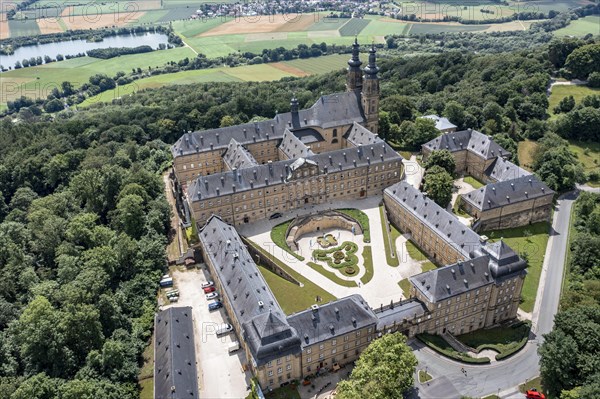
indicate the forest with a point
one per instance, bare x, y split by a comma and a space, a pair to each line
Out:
84, 221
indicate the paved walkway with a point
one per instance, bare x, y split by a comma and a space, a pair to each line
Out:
413, 171
382, 288
463, 188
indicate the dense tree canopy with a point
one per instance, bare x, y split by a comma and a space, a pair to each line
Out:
384, 370
438, 184
443, 159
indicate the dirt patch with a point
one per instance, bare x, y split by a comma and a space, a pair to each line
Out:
49, 25
263, 24
289, 69
97, 21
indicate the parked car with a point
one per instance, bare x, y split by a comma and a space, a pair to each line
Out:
212, 295
167, 282
275, 215
534, 394
207, 284
208, 289
214, 306
224, 329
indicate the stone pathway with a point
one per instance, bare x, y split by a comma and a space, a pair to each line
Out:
413, 171
463, 188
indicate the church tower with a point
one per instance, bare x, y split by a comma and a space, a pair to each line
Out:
354, 77
370, 92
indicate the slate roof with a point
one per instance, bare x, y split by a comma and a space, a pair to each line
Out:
175, 354
407, 310
237, 157
308, 135
503, 260
328, 111
503, 169
333, 319
445, 224
360, 135
224, 183
455, 279
293, 147
506, 192
264, 327
471, 140
441, 123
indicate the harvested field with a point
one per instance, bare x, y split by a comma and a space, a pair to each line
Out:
263, 24
50, 25
4, 31
97, 21
289, 69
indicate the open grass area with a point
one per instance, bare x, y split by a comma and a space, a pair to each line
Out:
146, 375
405, 285
581, 27
425, 28
331, 275
440, 345
147, 388
561, 91
588, 154
320, 65
424, 376
286, 392
362, 219
415, 252
525, 153
368, 263
529, 242
427, 266
533, 383
505, 340
473, 181
388, 239
278, 237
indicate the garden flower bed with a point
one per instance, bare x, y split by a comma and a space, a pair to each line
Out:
342, 256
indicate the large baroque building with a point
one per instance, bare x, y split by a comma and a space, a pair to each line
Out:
512, 196
328, 152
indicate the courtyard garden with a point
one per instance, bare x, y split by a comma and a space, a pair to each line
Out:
341, 257
327, 241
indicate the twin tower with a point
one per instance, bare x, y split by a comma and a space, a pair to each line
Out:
366, 82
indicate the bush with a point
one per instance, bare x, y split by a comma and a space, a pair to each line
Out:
350, 270
338, 255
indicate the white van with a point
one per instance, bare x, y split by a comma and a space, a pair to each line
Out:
224, 329
233, 346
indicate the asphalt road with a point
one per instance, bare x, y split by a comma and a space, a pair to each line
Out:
503, 377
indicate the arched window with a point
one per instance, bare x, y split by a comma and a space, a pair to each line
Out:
334, 132
334, 141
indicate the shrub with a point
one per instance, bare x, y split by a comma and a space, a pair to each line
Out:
338, 255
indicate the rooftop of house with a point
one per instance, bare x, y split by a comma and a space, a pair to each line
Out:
175, 364
273, 173
359, 135
445, 224
254, 305
237, 157
441, 123
328, 111
293, 147
478, 143
407, 310
333, 319
503, 169
507, 192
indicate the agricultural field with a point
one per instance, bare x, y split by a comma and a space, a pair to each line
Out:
581, 27
262, 72
38, 81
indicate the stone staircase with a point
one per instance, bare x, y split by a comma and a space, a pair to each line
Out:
456, 344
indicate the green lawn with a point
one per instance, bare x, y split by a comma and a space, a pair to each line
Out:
320, 65
278, 237
427, 266
368, 263
415, 252
561, 91
193, 27
147, 391
424, 376
505, 340
362, 219
331, 275
473, 181
389, 238
581, 27
405, 285
588, 154
286, 392
530, 241
146, 375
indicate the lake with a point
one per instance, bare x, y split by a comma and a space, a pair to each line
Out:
72, 47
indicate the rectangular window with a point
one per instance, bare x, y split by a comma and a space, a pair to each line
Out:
309, 350
308, 359
288, 367
270, 373
279, 370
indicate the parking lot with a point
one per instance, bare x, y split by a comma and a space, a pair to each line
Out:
220, 374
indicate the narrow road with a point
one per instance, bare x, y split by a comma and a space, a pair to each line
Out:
502, 377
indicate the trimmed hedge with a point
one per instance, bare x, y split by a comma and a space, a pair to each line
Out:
439, 345
504, 340
361, 218
349, 259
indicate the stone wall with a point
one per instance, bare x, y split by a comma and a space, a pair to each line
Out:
321, 221
267, 261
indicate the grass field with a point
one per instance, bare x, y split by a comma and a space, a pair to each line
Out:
473, 181
530, 242
561, 91
331, 275
38, 81
405, 285
353, 27
422, 29
581, 27
505, 340
525, 153
261, 72
588, 154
